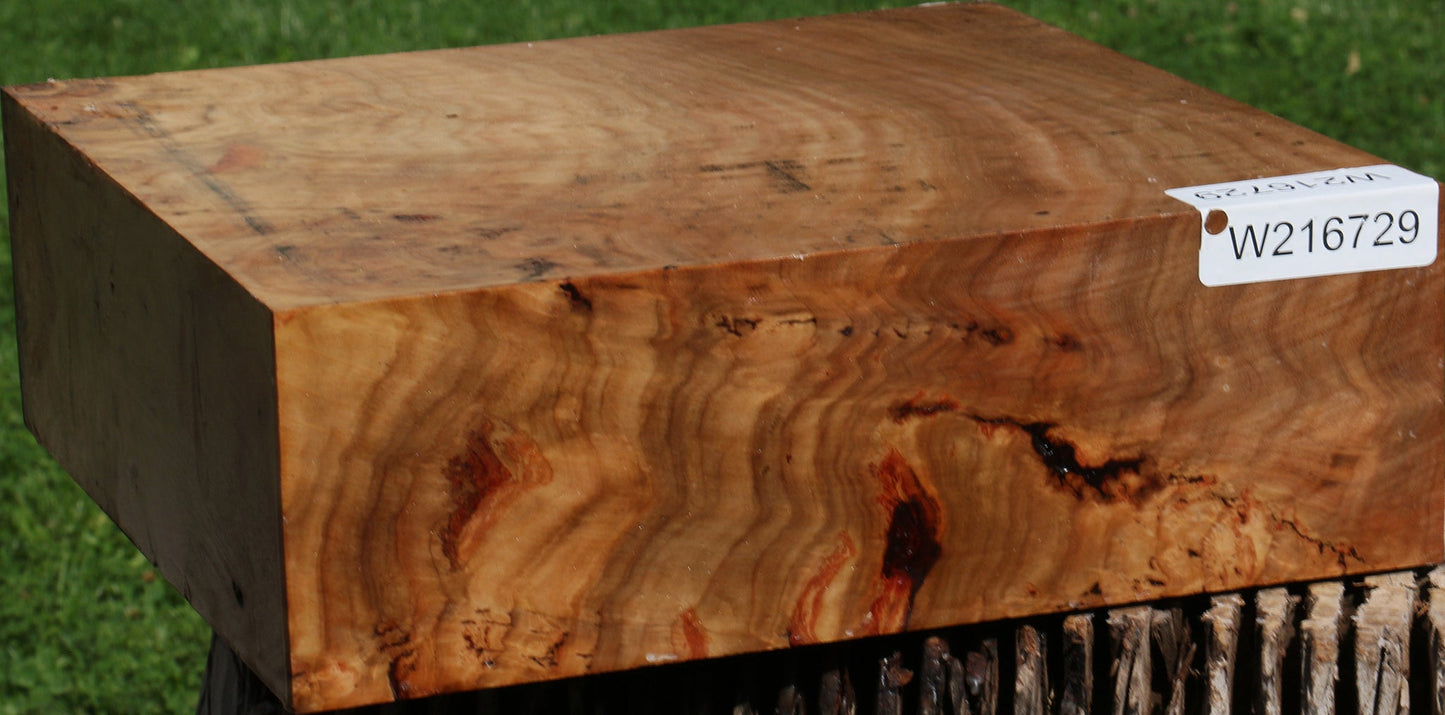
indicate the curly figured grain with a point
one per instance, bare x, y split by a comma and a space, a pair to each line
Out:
696, 463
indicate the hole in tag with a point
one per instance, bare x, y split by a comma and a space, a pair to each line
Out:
1215, 222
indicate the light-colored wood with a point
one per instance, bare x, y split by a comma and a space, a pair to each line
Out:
1169, 631
459, 369
1320, 634
1031, 675
1133, 667
1221, 624
1382, 644
1435, 628
1274, 627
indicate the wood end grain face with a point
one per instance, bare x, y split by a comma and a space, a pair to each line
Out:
150, 375
587, 475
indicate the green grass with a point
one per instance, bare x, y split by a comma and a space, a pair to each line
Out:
85, 626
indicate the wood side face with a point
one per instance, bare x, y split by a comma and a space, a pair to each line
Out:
557, 478
385, 177
149, 374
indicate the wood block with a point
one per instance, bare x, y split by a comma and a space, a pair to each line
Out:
457, 369
1221, 626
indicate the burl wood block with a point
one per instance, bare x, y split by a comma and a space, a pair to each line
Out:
457, 369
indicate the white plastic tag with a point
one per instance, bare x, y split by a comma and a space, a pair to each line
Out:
1327, 223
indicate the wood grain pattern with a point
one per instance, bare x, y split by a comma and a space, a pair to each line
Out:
833, 470
601, 353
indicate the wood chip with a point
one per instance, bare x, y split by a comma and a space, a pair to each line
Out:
1382, 644
1320, 646
1273, 621
835, 694
957, 685
1436, 628
790, 702
1221, 625
1129, 632
1031, 678
892, 676
1077, 697
980, 676
1170, 633
933, 678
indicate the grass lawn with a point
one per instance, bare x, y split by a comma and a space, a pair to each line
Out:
86, 626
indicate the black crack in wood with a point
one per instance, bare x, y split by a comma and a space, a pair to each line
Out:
1106, 481
995, 335
494, 232
912, 545
534, 268
1066, 343
920, 407
1344, 553
784, 173
395, 644
736, 325
547, 660
573, 294
1000, 335
396, 676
